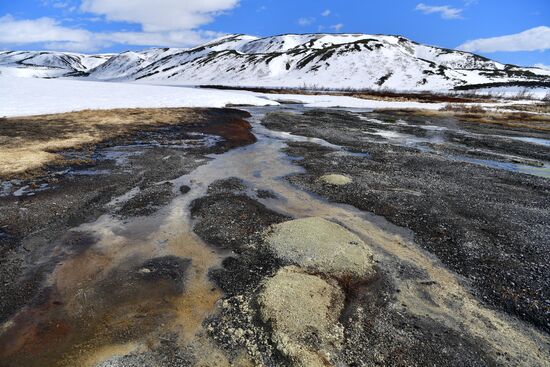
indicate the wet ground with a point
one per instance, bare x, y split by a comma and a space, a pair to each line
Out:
482, 220
154, 253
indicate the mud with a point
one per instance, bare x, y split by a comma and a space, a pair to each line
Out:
230, 219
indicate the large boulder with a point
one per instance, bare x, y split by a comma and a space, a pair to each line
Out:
303, 312
321, 246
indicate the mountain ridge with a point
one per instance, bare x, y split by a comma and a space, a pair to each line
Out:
325, 60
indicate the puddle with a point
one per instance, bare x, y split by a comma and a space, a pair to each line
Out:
6, 187
89, 172
260, 131
101, 295
538, 141
543, 171
436, 136
27, 190
120, 154
104, 307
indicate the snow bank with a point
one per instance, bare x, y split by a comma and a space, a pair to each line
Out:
31, 72
31, 96
325, 101
513, 92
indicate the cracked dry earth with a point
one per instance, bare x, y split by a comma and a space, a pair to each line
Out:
299, 238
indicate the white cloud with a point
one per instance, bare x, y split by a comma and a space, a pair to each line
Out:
306, 21
164, 23
60, 4
337, 27
542, 66
174, 38
530, 40
63, 5
160, 15
326, 13
89, 45
446, 11
54, 36
14, 31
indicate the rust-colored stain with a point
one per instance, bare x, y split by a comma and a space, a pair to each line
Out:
235, 131
47, 335
35, 330
97, 304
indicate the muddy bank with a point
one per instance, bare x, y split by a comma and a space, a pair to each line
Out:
29, 143
489, 225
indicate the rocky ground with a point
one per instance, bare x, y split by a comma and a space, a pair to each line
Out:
364, 240
491, 226
39, 231
324, 311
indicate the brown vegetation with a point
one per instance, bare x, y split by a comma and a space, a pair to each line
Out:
373, 94
476, 114
463, 108
532, 107
28, 143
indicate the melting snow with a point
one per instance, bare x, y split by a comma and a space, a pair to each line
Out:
31, 96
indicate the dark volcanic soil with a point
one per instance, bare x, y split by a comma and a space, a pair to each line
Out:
375, 333
491, 226
153, 252
35, 221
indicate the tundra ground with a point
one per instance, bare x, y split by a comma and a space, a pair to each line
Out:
283, 236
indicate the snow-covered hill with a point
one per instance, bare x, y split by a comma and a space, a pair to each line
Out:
311, 60
48, 63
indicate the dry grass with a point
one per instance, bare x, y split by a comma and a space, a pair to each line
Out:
463, 108
373, 94
28, 143
524, 120
532, 108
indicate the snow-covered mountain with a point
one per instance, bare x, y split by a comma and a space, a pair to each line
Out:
48, 63
311, 60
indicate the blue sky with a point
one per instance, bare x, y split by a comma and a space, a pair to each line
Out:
509, 31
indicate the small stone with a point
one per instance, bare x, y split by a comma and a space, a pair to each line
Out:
336, 180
